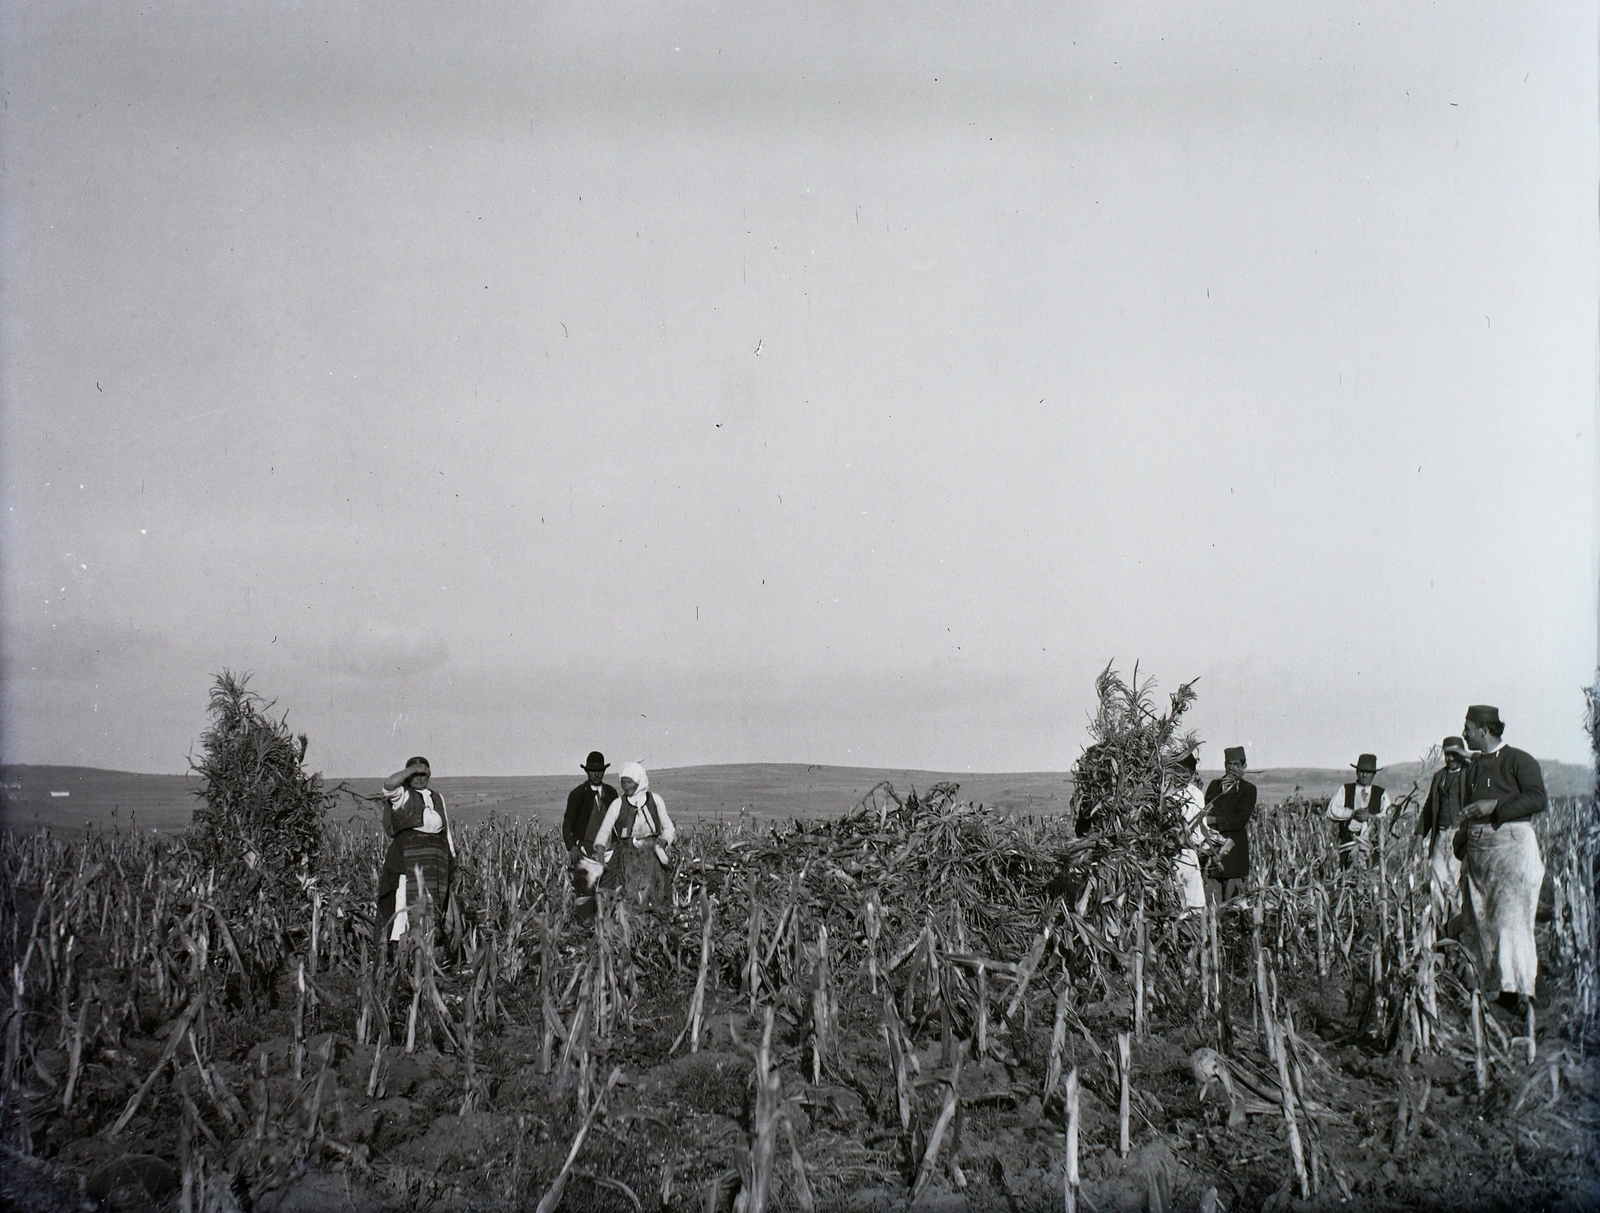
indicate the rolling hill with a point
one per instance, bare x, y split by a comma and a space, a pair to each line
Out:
770, 791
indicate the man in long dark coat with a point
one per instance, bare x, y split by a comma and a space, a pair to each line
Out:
586, 809
1229, 803
587, 803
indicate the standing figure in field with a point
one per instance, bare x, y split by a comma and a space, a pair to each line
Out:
586, 809
1230, 802
1436, 826
1356, 807
640, 831
1198, 837
1501, 868
418, 825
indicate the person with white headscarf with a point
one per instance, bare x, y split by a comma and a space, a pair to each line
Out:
635, 837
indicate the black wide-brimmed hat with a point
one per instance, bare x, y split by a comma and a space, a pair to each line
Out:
595, 762
1367, 762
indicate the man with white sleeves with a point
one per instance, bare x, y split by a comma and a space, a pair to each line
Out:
1355, 808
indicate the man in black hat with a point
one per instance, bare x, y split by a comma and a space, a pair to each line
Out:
587, 803
1230, 801
1436, 826
1354, 807
1501, 868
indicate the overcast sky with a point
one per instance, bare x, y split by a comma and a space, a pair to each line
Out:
834, 383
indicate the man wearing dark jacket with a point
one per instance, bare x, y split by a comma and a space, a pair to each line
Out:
1436, 826
1502, 868
1229, 803
587, 803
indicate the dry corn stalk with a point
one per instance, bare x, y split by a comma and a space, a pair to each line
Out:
1058, 1041
821, 1006
756, 1160
697, 1004
1295, 1146
1070, 1178
1124, 1089
901, 1058
947, 1111
552, 1198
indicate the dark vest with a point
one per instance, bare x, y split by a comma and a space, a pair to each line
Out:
629, 813
1375, 796
408, 816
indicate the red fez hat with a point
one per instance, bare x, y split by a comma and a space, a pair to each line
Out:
1232, 752
1482, 713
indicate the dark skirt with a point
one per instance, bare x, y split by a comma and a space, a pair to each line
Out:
637, 874
409, 850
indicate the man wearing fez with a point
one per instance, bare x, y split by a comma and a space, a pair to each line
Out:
1436, 826
1501, 868
1229, 803
1354, 807
586, 807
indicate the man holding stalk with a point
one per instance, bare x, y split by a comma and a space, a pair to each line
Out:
1501, 867
1355, 806
587, 805
1230, 801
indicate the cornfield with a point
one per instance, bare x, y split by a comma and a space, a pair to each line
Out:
898, 982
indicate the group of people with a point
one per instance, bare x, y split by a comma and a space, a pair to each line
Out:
618, 841
1483, 860
1217, 821
1484, 865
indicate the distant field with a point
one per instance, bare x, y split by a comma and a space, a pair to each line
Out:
775, 791
768, 791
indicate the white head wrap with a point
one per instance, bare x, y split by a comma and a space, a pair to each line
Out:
635, 772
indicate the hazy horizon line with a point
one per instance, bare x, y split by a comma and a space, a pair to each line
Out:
821, 766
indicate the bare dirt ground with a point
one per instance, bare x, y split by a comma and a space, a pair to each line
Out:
391, 1132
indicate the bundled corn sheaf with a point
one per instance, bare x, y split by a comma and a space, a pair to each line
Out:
262, 815
141, 971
